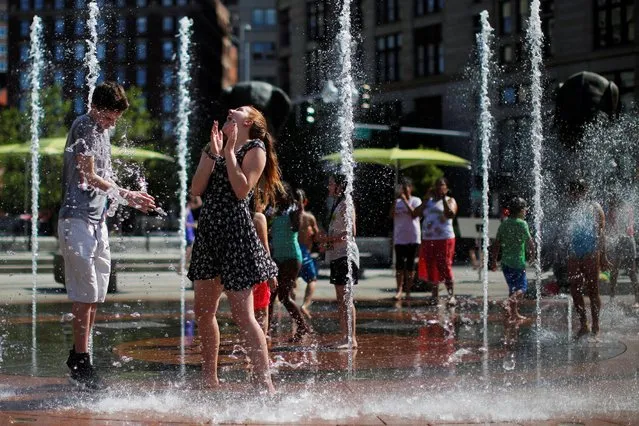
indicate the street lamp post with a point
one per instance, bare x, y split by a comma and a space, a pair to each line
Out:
245, 52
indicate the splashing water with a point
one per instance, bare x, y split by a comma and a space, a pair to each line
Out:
184, 103
535, 38
35, 77
91, 59
484, 40
346, 126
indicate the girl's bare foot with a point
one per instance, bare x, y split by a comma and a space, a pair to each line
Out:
210, 383
398, 296
305, 311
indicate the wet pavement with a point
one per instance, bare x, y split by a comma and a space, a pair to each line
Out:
417, 363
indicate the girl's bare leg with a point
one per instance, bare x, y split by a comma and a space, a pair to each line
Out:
342, 309
207, 297
242, 310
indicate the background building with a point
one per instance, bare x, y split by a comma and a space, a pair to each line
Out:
417, 56
137, 46
255, 28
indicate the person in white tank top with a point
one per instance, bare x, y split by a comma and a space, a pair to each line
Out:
406, 236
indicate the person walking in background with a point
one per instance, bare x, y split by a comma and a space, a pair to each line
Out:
406, 236
308, 231
620, 241
587, 254
287, 254
342, 255
438, 239
87, 181
228, 255
513, 240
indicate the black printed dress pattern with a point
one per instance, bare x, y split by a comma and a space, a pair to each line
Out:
227, 244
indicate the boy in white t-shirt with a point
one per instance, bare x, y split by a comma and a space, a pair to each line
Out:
406, 236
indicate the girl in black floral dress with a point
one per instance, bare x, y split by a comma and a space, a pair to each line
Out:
227, 253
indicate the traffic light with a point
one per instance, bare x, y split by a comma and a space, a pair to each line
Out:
365, 97
309, 112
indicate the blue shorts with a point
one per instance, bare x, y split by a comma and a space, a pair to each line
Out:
516, 279
308, 272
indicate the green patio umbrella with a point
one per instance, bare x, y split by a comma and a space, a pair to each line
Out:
55, 146
402, 159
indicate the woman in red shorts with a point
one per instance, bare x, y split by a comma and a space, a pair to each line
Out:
438, 239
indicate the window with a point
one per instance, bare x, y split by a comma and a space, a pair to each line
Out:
3, 50
80, 4
59, 26
38, 4
120, 51
316, 20
24, 28
387, 57
140, 50
121, 3
58, 52
257, 17
58, 77
424, 7
120, 75
506, 54
79, 78
101, 51
25, 4
3, 66
79, 51
140, 3
24, 80
58, 4
3, 32
429, 51
167, 76
506, 17
167, 50
121, 26
270, 17
508, 95
615, 22
141, 24
182, 2
79, 27
101, 26
167, 128
140, 76
167, 24
167, 103
263, 50
167, 3
78, 105
24, 52
285, 28
387, 11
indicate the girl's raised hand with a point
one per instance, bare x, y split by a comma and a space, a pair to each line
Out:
230, 128
217, 139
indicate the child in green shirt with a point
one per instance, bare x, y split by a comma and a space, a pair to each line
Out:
513, 237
